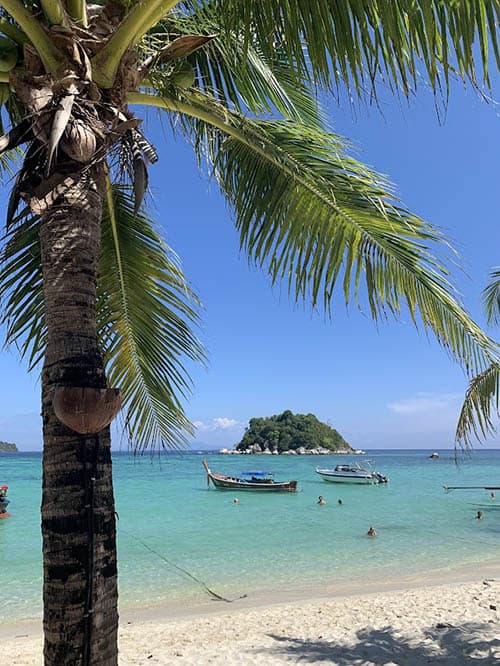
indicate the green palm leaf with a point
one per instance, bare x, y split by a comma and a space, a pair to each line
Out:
145, 310
482, 397
480, 406
145, 313
491, 297
367, 44
314, 216
9, 163
21, 289
236, 73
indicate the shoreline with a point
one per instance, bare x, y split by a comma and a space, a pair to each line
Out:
310, 594
30, 626
453, 623
26, 630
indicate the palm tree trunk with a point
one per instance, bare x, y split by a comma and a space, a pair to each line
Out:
78, 515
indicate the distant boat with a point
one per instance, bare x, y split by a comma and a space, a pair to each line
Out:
351, 474
4, 502
434, 454
252, 481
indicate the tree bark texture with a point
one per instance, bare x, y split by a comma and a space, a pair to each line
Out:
78, 514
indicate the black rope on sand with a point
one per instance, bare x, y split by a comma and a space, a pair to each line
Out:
214, 595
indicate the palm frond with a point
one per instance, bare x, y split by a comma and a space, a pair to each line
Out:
314, 216
491, 297
367, 44
235, 72
21, 289
480, 406
145, 312
9, 163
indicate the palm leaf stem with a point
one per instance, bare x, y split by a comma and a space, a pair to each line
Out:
78, 11
55, 13
138, 21
169, 104
52, 58
13, 32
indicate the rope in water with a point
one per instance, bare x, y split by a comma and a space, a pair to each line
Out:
209, 591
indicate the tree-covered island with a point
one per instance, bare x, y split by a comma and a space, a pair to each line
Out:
287, 432
7, 447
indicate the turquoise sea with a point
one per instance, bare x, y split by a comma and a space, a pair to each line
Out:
266, 543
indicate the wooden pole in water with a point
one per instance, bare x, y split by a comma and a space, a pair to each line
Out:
205, 465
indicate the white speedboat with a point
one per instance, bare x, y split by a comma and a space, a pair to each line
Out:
351, 474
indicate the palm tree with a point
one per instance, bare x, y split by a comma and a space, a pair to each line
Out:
481, 403
89, 287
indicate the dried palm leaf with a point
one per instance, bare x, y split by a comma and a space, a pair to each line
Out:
61, 119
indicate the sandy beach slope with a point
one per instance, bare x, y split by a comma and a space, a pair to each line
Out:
456, 623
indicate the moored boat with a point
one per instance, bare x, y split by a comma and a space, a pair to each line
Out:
351, 474
4, 502
249, 481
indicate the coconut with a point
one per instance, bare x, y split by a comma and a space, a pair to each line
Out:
8, 54
78, 141
183, 76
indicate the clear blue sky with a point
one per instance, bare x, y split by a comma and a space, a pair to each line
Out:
386, 386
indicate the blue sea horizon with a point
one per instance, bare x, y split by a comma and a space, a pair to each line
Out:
266, 542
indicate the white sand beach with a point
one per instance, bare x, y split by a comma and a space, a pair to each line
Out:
454, 623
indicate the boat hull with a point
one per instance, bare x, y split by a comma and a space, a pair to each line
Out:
228, 483
3, 508
222, 482
342, 478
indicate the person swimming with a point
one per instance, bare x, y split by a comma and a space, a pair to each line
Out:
236, 501
371, 532
321, 500
339, 502
479, 515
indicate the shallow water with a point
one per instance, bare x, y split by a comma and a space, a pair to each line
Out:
266, 542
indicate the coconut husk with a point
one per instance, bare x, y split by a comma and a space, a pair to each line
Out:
86, 410
79, 141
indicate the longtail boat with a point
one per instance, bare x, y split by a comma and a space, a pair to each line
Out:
4, 502
251, 481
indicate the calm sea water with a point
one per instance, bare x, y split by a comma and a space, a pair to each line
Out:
266, 542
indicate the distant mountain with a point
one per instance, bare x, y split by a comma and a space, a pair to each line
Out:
203, 446
7, 447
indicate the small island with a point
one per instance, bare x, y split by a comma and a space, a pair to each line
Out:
291, 434
7, 447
